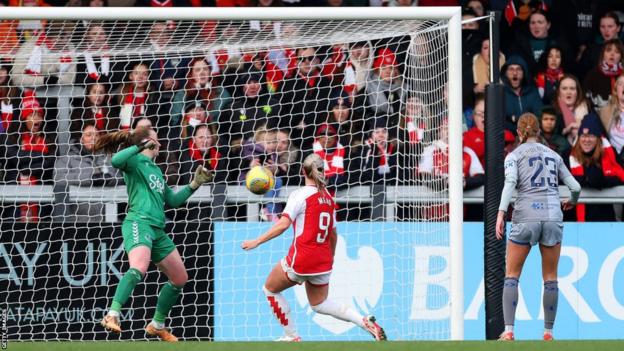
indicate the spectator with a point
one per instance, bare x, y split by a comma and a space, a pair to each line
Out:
203, 149
195, 114
95, 64
95, 107
593, 164
378, 156
416, 122
611, 118
533, 44
573, 20
433, 171
248, 112
481, 67
477, 7
200, 88
333, 67
304, 97
549, 72
133, 96
471, 45
600, 80
358, 67
46, 59
261, 150
520, 93
333, 154
288, 159
349, 127
571, 106
166, 69
609, 28
81, 167
8, 97
549, 131
33, 152
384, 86
474, 138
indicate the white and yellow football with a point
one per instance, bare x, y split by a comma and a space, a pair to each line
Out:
259, 180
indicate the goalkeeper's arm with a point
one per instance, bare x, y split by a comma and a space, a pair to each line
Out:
202, 175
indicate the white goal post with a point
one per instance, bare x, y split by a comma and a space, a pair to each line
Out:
449, 17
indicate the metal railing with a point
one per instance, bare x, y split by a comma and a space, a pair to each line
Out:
382, 200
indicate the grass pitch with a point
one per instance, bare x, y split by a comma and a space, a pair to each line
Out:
567, 345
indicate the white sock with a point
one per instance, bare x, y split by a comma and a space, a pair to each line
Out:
157, 325
281, 311
509, 328
548, 331
340, 311
113, 313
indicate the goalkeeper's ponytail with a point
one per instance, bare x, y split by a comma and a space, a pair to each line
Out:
314, 170
111, 142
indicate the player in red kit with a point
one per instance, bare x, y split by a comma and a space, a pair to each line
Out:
310, 258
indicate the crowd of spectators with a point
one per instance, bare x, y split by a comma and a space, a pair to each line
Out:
350, 103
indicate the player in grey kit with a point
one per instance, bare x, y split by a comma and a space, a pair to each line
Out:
534, 170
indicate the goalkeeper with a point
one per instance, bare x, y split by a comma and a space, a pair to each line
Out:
142, 229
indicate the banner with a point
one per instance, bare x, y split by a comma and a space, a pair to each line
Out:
402, 279
57, 281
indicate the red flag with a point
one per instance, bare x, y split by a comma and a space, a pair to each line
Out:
510, 12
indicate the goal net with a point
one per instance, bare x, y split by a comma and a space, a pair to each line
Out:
377, 99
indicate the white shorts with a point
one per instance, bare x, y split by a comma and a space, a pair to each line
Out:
317, 279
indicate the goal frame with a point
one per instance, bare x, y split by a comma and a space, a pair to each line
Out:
452, 14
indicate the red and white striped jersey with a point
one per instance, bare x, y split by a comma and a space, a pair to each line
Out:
314, 217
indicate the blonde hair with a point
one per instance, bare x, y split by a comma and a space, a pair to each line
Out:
314, 169
528, 126
110, 142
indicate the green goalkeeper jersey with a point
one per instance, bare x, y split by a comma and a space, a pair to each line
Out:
147, 190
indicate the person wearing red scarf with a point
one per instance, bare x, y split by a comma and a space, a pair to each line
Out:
133, 96
550, 72
202, 149
378, 155
592, 162
333, 154
33, 151
600, 81
94, 108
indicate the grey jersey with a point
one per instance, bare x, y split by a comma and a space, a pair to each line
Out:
537, 170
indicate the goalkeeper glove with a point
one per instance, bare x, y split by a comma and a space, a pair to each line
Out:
202, 175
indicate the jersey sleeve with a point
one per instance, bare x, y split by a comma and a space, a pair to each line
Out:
511, 168
294, 206
125, 159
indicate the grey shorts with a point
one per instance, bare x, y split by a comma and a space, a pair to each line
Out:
531, 233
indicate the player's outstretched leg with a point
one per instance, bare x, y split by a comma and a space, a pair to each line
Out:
127, 284
347, 314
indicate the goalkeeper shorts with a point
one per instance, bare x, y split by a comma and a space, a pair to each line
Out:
136, 233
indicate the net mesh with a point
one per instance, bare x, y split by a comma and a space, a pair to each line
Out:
368, 96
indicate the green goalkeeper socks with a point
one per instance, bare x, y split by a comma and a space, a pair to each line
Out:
125, 288
166, 299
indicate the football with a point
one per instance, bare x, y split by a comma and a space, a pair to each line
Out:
259, 180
